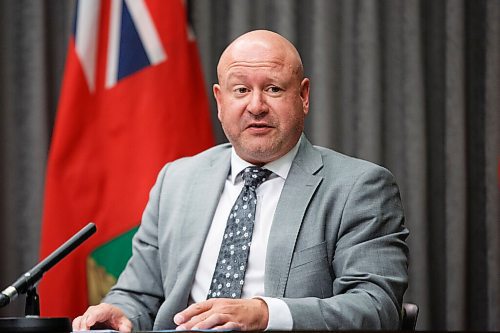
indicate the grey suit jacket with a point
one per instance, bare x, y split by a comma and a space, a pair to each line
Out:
336, 255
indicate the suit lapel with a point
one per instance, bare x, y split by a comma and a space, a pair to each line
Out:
206, 190
297, 192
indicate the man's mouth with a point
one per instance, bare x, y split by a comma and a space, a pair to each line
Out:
259, 125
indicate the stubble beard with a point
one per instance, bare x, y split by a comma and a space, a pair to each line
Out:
262, 152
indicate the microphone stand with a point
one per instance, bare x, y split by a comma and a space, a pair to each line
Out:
27, 284
32, 307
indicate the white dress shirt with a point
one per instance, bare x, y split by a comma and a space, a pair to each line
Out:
268, 194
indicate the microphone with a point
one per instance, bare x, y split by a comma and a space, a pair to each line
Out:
30, 278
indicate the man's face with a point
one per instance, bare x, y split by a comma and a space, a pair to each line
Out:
262, 103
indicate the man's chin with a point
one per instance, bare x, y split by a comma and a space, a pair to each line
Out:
258, 154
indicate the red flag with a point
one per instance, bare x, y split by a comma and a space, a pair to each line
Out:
132, 99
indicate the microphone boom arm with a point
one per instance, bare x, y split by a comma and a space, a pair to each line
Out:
28, 280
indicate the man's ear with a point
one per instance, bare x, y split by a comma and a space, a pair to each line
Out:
304, 95
217, 94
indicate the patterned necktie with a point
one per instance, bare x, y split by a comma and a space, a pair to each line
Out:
229, 274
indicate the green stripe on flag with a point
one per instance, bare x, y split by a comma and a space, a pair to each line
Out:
114, 255
105, 264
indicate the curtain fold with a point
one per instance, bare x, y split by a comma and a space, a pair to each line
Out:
412, 85
455, 167
492, 165
33, 38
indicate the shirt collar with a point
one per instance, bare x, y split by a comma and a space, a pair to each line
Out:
279, 167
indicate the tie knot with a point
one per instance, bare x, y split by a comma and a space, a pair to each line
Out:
254, 176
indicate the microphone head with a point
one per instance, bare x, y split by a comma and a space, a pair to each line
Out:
4, 300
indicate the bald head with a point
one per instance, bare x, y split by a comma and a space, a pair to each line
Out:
262, 96
257, 46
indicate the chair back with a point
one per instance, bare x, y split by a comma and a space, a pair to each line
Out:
410, 314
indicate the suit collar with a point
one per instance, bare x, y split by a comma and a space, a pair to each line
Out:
208, 184
308, 158
296, 195
206, 189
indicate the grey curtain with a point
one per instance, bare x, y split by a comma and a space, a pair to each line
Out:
412, 85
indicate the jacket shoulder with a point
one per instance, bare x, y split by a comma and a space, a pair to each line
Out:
340, 163
206, 156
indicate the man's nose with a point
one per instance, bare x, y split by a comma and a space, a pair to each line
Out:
257, 104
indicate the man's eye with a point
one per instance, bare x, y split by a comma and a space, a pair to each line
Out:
241, 90
274, 89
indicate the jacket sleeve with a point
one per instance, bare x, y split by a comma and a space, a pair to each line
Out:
369, 262
138, 291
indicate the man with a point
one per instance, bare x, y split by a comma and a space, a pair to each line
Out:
328, 247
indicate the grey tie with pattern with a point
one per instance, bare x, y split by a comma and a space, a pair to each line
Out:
229, 274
